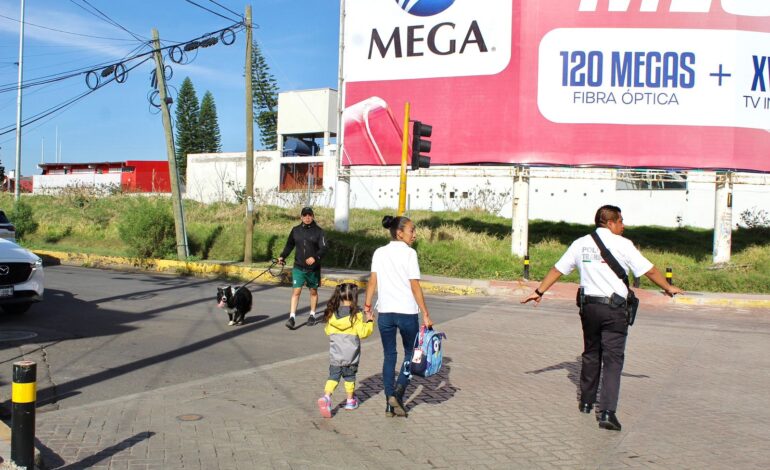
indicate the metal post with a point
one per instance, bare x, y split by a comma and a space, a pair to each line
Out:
17, 173
670, 276
23, 396
526, 267
404, 152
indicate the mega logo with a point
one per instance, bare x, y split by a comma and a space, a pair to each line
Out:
424, 7
441, 39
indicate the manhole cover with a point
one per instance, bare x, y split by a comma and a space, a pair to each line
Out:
16, 335
191, 417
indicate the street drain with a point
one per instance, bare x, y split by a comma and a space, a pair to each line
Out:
16, 335
190, 417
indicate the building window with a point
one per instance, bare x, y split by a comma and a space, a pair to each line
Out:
301, 176
646, 180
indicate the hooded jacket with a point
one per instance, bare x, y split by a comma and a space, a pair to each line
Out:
345, 338
309, 240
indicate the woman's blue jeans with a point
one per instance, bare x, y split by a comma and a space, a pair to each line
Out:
390, 323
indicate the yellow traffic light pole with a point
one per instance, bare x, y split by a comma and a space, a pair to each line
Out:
404, 152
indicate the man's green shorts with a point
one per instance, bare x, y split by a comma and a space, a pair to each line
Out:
310, 278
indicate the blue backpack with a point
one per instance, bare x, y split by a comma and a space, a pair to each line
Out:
428, 353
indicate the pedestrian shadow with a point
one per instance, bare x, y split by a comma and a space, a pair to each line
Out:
54, 461
573, 373
432, 390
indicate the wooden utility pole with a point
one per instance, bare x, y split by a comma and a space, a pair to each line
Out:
249, 192
176, 196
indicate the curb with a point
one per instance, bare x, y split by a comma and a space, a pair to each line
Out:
430, 284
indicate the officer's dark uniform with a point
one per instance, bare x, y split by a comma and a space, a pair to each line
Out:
604, 326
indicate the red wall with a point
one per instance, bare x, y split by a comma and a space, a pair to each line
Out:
148, 176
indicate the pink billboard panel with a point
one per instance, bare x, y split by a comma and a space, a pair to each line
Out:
638, 83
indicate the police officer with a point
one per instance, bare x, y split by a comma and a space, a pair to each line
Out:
310, 242
604, 322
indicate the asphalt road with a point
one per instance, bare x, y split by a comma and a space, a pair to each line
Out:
102, 334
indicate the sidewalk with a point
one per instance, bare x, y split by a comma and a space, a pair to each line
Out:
505, 398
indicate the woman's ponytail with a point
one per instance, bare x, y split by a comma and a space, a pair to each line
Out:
394, 224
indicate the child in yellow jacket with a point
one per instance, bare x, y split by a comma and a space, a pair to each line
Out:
345, 327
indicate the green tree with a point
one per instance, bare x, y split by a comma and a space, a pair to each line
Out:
265, 89
187, 128
210, 138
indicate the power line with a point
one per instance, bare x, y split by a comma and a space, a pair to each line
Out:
65, 32
102, 16
210, 11
222, 6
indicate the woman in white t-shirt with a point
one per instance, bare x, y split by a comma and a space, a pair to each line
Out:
396, 277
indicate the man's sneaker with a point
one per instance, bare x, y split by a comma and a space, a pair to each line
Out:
290, 323
351, 404
325, 406
312, 320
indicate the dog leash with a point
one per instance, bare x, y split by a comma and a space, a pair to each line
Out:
274, 262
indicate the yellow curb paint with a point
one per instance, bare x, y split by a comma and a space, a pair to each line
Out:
739, 303
23, 393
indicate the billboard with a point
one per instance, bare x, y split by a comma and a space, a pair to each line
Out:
637, 83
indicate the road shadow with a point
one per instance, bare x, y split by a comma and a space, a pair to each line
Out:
573, 369
421, 390
53, 461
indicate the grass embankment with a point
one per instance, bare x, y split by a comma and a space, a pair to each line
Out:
471, 245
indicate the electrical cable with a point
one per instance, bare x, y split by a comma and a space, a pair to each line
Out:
222, 6
65, 104
65, 32
102, 16
210, 11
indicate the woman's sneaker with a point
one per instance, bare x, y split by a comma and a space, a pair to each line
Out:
325, 406
351, 404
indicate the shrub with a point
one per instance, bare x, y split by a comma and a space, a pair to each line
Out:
55, 234
23, 219
147, 228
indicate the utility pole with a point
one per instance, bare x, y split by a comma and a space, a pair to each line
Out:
176, 197
249, 193
17, 175
342, 187
404, 154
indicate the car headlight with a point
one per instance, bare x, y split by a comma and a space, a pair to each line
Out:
37, 264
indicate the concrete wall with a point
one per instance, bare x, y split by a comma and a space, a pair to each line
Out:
570, 195
48, 184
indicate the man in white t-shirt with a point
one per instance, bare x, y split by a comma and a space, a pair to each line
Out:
605, 327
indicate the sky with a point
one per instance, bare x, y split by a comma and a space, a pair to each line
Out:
299, 39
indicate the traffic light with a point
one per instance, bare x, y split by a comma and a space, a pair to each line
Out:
419, 145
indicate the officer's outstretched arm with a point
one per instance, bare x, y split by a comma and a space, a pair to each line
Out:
655, 276
537, 295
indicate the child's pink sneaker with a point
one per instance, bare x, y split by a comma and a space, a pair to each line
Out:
325, 406
351, 404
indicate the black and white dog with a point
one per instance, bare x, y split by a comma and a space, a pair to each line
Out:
235, 301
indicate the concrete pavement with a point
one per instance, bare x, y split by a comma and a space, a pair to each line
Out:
693, 396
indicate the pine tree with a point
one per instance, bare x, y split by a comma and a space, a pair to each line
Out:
187, 128
210, 139
265, 89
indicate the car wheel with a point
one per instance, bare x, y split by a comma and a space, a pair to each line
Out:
16, 309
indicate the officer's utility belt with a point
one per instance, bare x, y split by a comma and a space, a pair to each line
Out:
615, 301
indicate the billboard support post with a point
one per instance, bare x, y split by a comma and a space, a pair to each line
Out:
723, 217
404, 153
342, 188
520, 220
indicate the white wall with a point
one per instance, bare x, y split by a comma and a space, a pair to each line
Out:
46, 184
570, 195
